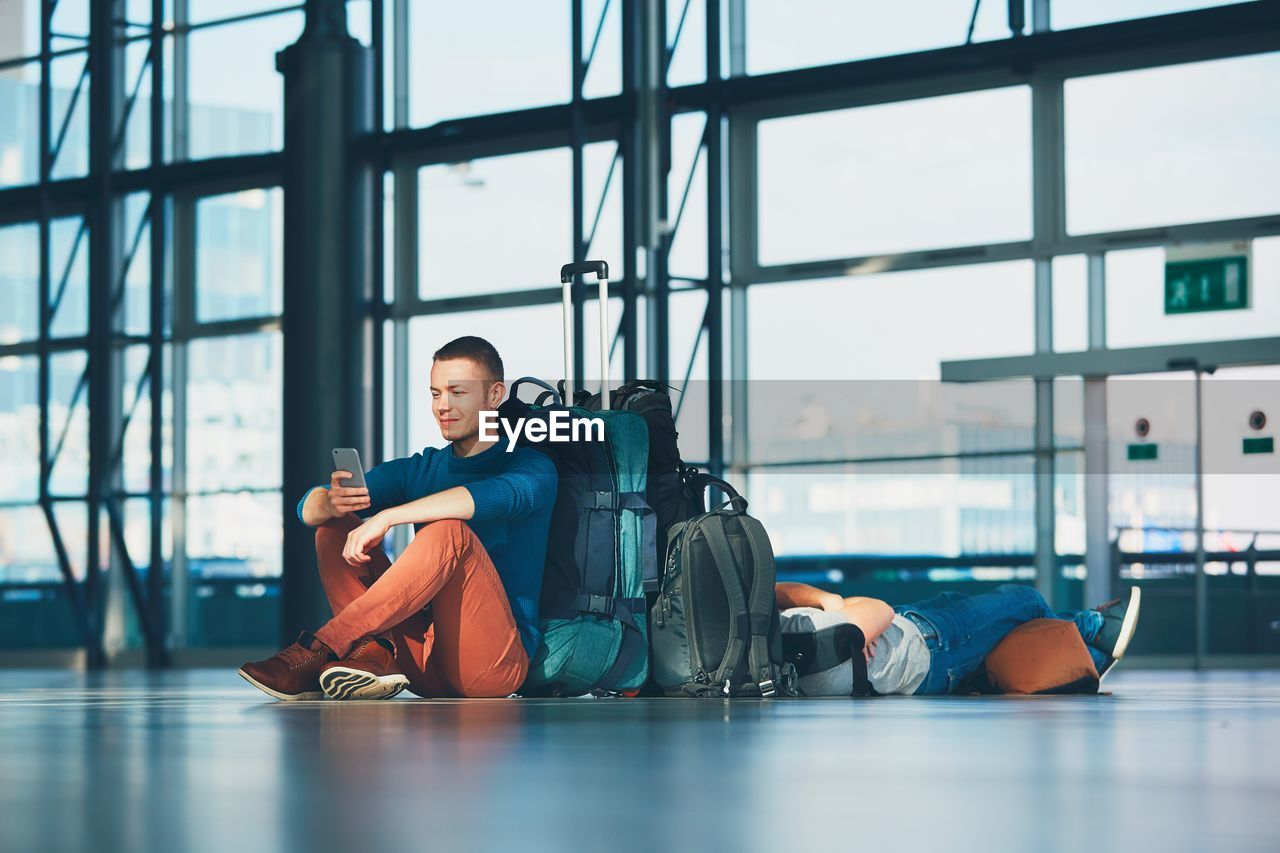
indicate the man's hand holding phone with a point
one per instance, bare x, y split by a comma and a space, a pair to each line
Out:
344, 499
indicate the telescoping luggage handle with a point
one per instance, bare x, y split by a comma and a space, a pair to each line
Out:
567, 272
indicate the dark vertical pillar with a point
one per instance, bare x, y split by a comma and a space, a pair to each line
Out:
327, 287
715, 247
578, 142
645, 158
104, 396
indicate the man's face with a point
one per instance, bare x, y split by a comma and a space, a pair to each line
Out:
460, 390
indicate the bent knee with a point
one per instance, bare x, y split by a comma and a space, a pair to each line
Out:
329, 537
452, 529
1030, 593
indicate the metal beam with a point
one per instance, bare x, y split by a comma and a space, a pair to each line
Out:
742, 245
1099, 573
645, 145
1117, 362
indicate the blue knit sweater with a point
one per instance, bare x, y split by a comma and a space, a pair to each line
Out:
513, 493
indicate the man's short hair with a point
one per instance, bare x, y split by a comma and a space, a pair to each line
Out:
478, 350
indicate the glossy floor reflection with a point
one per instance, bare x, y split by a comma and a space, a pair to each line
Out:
197, 760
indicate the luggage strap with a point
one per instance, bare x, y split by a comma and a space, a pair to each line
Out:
619, 502
624, 610
601, 571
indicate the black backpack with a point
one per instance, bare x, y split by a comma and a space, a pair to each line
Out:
714, 628
672, 489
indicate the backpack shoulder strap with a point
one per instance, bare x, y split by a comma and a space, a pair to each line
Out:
762, 604
712, 526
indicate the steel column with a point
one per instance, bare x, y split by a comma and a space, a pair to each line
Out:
714, 139
1099, 573
326, 311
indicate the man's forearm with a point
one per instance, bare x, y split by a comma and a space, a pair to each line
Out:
316, 509
450, 503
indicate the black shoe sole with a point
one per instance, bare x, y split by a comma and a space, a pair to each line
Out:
341, 682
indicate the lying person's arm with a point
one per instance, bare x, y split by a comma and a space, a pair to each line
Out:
791, 594
871, 615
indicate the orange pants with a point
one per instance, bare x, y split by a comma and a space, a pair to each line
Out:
467, 645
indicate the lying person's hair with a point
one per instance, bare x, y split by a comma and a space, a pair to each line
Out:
478, 350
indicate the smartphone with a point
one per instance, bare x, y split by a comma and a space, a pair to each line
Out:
348, 459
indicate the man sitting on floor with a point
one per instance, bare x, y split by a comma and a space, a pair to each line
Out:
481, 516
930, 647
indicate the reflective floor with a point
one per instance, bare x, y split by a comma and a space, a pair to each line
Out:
198, 760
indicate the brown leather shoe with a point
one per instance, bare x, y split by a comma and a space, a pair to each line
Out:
369, 671
292, 673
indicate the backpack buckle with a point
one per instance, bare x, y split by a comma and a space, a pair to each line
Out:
767, 688
601, 604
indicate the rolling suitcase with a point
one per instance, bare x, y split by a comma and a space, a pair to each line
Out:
602, 542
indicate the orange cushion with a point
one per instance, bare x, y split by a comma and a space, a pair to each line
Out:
1042, 656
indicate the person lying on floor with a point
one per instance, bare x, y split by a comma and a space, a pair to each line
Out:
481, 515
930, 647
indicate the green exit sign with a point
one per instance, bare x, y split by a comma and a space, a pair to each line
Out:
1143, 452
1260, 444
1206, 277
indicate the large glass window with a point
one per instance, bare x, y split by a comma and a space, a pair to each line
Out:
687, 194
889, 326
686, 41
20, 283
236, 94
1086, 13
932, 173
69, 144
937, 508
233, 528
26, 551
233, 413
478, 58
69, 277
239, 255
1070, 303
137, 412
68, 423
19, 124
1213, 125
20, 427
494, 224
202, 11
781, 36
856, 375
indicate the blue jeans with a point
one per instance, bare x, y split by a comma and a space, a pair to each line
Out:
960, 630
